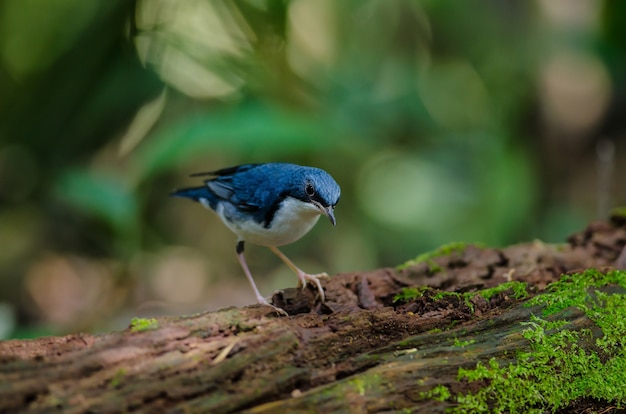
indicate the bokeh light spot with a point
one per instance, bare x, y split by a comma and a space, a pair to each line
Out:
190, 43
311, 38
454, 95
408, 192
179, 275
575, 90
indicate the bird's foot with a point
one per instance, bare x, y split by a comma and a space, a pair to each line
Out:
278, 310
304, 278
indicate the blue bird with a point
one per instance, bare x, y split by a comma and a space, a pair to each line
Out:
271, 205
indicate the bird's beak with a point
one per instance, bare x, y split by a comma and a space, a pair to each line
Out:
327, 211
330, 213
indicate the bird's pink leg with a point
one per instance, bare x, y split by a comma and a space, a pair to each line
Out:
303, 277
259, 297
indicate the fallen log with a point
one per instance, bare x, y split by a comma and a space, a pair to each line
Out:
451, 330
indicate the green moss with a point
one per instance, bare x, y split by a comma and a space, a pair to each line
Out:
466, 298
453, 323
359, 386
363, 384
519, 290
619, 212
439, 393
445, 250
556, 370
462, 344
51, 401
443, 294
143, 324
408, 294
117, 378
574, 290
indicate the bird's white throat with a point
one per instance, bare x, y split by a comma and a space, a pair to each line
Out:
292, 220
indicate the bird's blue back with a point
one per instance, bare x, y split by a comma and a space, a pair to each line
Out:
257, 189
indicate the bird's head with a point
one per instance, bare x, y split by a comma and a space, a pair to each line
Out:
319, 189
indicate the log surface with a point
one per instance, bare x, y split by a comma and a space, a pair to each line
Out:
359, 351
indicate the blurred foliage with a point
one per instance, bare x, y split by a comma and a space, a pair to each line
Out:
489, 121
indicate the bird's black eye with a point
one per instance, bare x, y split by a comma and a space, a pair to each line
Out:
310, 191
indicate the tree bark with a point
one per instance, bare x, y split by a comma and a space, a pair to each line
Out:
357, 352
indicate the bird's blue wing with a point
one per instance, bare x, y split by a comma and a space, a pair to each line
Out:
221, 189
228, 171
249, 188
227, 190
235, 185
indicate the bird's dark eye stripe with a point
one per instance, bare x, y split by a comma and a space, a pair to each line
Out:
316, 197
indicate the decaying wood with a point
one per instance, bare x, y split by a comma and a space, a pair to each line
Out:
357, 352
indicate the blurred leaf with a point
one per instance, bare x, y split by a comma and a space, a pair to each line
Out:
246, 128
7, 319
26, 50
32, 332
101, 195
23, 228
508, 192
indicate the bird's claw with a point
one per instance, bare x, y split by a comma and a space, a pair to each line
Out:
303, 278
278, 310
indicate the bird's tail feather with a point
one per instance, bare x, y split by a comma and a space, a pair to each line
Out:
195, 193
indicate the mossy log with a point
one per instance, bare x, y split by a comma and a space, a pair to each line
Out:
365, 349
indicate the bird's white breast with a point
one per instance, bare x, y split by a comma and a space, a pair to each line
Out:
292, 220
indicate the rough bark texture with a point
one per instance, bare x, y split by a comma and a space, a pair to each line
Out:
358, 352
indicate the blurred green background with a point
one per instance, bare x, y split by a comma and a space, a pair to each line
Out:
484, 121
